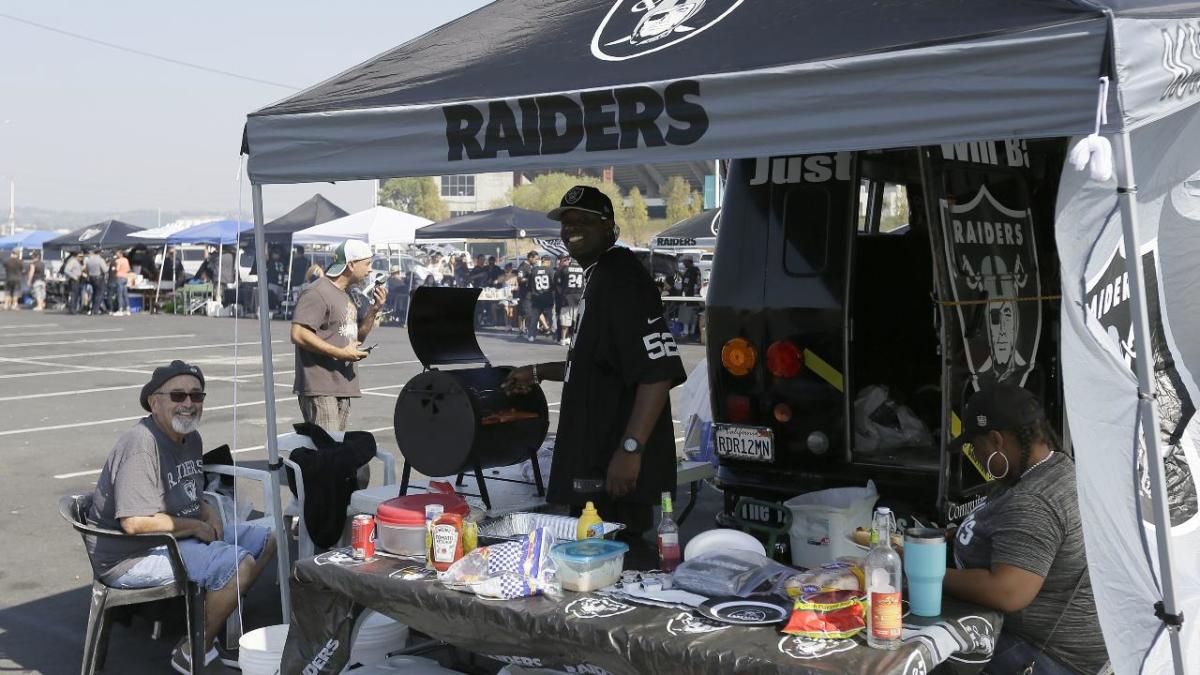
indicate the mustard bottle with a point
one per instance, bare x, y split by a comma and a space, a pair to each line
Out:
590, 523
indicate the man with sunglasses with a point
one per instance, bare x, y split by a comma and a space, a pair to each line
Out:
153, 482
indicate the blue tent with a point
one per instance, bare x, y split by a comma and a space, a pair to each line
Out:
32, 239
215, 232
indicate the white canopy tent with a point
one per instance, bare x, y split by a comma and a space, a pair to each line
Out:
378, 226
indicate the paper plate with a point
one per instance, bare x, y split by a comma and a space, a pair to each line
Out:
757, 610
721, 540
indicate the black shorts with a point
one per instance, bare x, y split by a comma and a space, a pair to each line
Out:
13, 287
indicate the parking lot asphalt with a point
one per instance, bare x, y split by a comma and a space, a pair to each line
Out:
68, 388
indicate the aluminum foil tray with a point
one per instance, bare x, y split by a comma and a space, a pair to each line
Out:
516, 525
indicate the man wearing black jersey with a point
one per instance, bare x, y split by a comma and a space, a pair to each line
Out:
541, 298
569, 283
615, 443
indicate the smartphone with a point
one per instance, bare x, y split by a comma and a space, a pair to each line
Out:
368, 349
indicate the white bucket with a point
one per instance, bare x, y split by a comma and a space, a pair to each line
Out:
377, 636
408, 665
823, 523
261, 651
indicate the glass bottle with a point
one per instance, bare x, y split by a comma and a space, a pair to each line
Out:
668, 537
884, 577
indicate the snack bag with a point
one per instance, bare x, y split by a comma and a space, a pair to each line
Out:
514, 569
833, 615
845, 574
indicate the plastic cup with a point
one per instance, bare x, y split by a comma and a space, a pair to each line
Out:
924, 566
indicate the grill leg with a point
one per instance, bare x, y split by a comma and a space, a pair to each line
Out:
459, 482
483, 492
404, 476
537, 474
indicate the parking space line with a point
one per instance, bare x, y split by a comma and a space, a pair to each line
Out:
152, 349
32, 325
74, 332
88, 341
70, 393
76, 425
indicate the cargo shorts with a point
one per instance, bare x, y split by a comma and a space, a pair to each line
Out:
210, 565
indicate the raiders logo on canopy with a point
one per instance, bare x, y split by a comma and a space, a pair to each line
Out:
636, 27
991, 258
1108, 302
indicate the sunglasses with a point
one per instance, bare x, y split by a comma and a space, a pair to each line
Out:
181, 396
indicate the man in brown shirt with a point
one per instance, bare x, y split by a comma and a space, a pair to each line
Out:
327, 331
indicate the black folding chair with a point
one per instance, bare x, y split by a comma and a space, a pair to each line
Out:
74, 509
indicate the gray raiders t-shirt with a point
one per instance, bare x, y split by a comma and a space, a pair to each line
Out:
1035, 525
328, 311
146, 473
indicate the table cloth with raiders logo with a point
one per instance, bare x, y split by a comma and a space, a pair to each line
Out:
590, 633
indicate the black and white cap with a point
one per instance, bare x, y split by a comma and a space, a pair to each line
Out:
997, 407
583, 198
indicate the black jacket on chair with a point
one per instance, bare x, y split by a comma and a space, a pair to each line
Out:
329, 479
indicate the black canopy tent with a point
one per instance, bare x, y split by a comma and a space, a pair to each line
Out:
314, 211
108, 234
567, 83
508, 222
699, 231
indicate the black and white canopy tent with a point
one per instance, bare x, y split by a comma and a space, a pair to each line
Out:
108, 234
699, 231
563, 83
506, 222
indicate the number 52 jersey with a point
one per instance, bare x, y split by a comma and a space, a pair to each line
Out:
621, 341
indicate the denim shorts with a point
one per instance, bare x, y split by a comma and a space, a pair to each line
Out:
210, 565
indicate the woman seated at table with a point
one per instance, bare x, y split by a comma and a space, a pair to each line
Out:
1022, 553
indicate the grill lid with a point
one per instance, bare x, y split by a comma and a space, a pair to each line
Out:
441, 326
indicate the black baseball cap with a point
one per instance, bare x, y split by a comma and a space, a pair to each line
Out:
997, 407
584, 198
163, 373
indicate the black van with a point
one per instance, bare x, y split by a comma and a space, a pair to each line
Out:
857, 299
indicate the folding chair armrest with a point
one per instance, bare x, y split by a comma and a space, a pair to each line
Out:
262, 477
389, 466
150, 539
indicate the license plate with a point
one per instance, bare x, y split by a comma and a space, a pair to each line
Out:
755, 444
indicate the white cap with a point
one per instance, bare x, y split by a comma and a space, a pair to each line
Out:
348, 252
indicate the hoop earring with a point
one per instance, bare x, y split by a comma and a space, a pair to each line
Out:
988, 465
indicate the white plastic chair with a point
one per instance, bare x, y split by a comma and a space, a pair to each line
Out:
293, 441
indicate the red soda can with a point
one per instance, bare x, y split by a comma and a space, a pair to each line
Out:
362, 537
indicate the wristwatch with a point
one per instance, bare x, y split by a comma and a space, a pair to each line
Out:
632, 445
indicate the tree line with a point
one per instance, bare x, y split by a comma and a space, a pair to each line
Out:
421, 197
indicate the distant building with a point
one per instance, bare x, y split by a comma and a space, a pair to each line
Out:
471, 192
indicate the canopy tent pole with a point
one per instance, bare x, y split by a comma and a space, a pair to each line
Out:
158, 288
286, 300
1147, 411
274, 466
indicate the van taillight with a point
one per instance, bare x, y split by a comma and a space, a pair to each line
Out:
784, 359
782, 412
737, 408
738, 356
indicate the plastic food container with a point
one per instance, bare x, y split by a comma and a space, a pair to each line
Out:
400, 522
589, 564
516, 525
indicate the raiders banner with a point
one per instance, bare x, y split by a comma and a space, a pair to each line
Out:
992, 269
1107, 301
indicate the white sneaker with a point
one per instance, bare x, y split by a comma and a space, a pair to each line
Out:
566, 342
530, 338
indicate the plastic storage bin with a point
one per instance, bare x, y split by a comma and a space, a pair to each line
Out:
400, 522
589, 564
823, 522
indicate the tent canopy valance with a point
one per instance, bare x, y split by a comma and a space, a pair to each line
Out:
31, 239
564, 83
217, 232
699, 231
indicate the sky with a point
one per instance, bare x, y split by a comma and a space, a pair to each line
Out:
85, 127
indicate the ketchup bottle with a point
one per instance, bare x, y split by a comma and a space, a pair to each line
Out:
446, 541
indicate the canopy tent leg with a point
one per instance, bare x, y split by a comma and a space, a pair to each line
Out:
158, 287
283, 551
286, 300
1147, 411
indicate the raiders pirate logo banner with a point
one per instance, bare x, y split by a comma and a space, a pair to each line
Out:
992, 269
1107, 302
